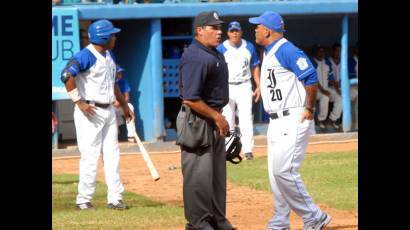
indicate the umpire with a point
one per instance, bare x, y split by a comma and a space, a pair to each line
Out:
203, 77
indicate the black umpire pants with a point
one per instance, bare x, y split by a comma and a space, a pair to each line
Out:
204, 186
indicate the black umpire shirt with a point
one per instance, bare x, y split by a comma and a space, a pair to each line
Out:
203, 74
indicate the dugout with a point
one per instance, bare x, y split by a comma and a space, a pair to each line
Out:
154, 35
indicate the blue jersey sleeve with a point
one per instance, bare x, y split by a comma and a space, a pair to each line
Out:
124, 85
81, 62
85, 60
221, 48
310, 79
254, 56
192, 76
295, 60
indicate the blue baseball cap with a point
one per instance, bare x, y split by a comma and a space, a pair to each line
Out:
271, 20
234, 25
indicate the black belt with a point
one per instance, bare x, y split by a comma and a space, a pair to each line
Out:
276, 116
238, 83
104, 106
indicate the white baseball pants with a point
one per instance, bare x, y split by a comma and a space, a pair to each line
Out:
95, 135
324, 105
241, 95
121, 120
287, 142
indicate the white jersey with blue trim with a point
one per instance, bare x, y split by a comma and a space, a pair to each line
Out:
335, 69
97, 83
238, 60
281, 87
324, 72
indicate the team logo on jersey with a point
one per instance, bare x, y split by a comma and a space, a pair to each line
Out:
216, 16
302, 63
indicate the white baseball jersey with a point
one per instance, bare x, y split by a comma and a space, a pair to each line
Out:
336, 69
239, 59
283, 68
97, 83
324, 72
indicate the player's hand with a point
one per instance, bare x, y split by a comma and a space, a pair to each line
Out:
222, 125
325, 92
306, 115
116, 104
257, 94
129, 115
87, 109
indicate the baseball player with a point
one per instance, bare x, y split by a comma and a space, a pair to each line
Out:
288, 91
89, 79
243, 63
335, 64
125, 90
326, 93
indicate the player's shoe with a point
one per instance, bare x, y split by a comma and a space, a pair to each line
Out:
249, 156
132, 139
120, 205
334, 124
85, 206
321, 124
321, 224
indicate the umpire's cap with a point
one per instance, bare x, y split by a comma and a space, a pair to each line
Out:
207, 18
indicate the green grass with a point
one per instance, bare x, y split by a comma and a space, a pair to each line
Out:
330, 178
143, 213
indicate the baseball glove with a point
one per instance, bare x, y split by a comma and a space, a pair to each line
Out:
233, 148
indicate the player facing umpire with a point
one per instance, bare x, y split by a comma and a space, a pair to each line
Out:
203, 85
243, 63
89, 79
288, 90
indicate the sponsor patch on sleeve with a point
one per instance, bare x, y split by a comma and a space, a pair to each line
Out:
302, 63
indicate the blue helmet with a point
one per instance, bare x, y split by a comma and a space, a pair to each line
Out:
100, 32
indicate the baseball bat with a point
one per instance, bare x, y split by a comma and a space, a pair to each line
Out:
147, 159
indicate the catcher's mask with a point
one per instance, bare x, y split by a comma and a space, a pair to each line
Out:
233, 147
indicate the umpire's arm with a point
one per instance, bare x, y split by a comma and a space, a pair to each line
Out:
202, 108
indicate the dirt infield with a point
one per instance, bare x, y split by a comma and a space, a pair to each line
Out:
248, 209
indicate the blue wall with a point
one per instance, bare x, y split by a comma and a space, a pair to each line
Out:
133, 53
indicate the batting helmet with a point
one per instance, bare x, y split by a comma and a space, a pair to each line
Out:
100, 32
